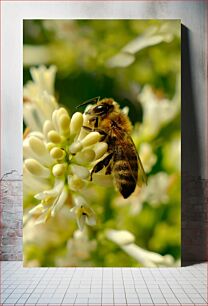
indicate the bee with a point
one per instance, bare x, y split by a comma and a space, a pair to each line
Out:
122, 160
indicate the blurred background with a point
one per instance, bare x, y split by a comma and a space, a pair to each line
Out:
137, 63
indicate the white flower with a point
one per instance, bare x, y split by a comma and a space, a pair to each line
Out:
172, 153
79, 249
125, 240
80, 245
43, 79
39, 101
157, 112
58, 156
120, 237
155, 193
151, 37
157, 190
84, 214
147, 156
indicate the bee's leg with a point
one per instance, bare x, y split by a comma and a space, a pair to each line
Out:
96, 122
87, 128
108, 169
101, 132
100, 165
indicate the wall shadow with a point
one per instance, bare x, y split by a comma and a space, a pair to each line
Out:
193, 225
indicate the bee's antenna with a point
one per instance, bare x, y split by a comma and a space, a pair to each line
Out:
92, 100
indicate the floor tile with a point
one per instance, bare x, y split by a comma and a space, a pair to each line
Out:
85, 286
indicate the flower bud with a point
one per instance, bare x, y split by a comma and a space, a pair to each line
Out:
64, 122
100, 149
37, 135
37, 146
53, 136
57, 153
50, 146
85, 156
62, 111
34, 167
59, 169
54, 119
90, 139
47, 127
76, 123
27, 152
75, 147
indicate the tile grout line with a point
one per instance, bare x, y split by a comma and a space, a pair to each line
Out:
125, 280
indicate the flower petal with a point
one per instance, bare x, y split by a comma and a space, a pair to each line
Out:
60, 202
80, 171
91, 220
81, 222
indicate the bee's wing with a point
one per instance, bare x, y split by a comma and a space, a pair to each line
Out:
142, 178
142, 173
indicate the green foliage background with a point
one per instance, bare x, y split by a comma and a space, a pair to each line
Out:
82, 51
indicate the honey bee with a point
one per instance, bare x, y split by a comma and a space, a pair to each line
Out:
122, 161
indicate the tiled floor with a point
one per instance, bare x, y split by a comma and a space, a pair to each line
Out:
107, 286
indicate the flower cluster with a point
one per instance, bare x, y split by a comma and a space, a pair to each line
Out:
38, 95
78, 248
126, 241
157, 112
58, 153
141, 65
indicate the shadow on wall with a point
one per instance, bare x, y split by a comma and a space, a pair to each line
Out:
193, 210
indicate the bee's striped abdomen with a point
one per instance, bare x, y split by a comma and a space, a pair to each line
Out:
125, 171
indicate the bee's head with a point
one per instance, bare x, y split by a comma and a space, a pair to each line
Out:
102, 108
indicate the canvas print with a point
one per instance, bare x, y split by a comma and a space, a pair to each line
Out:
101, 143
